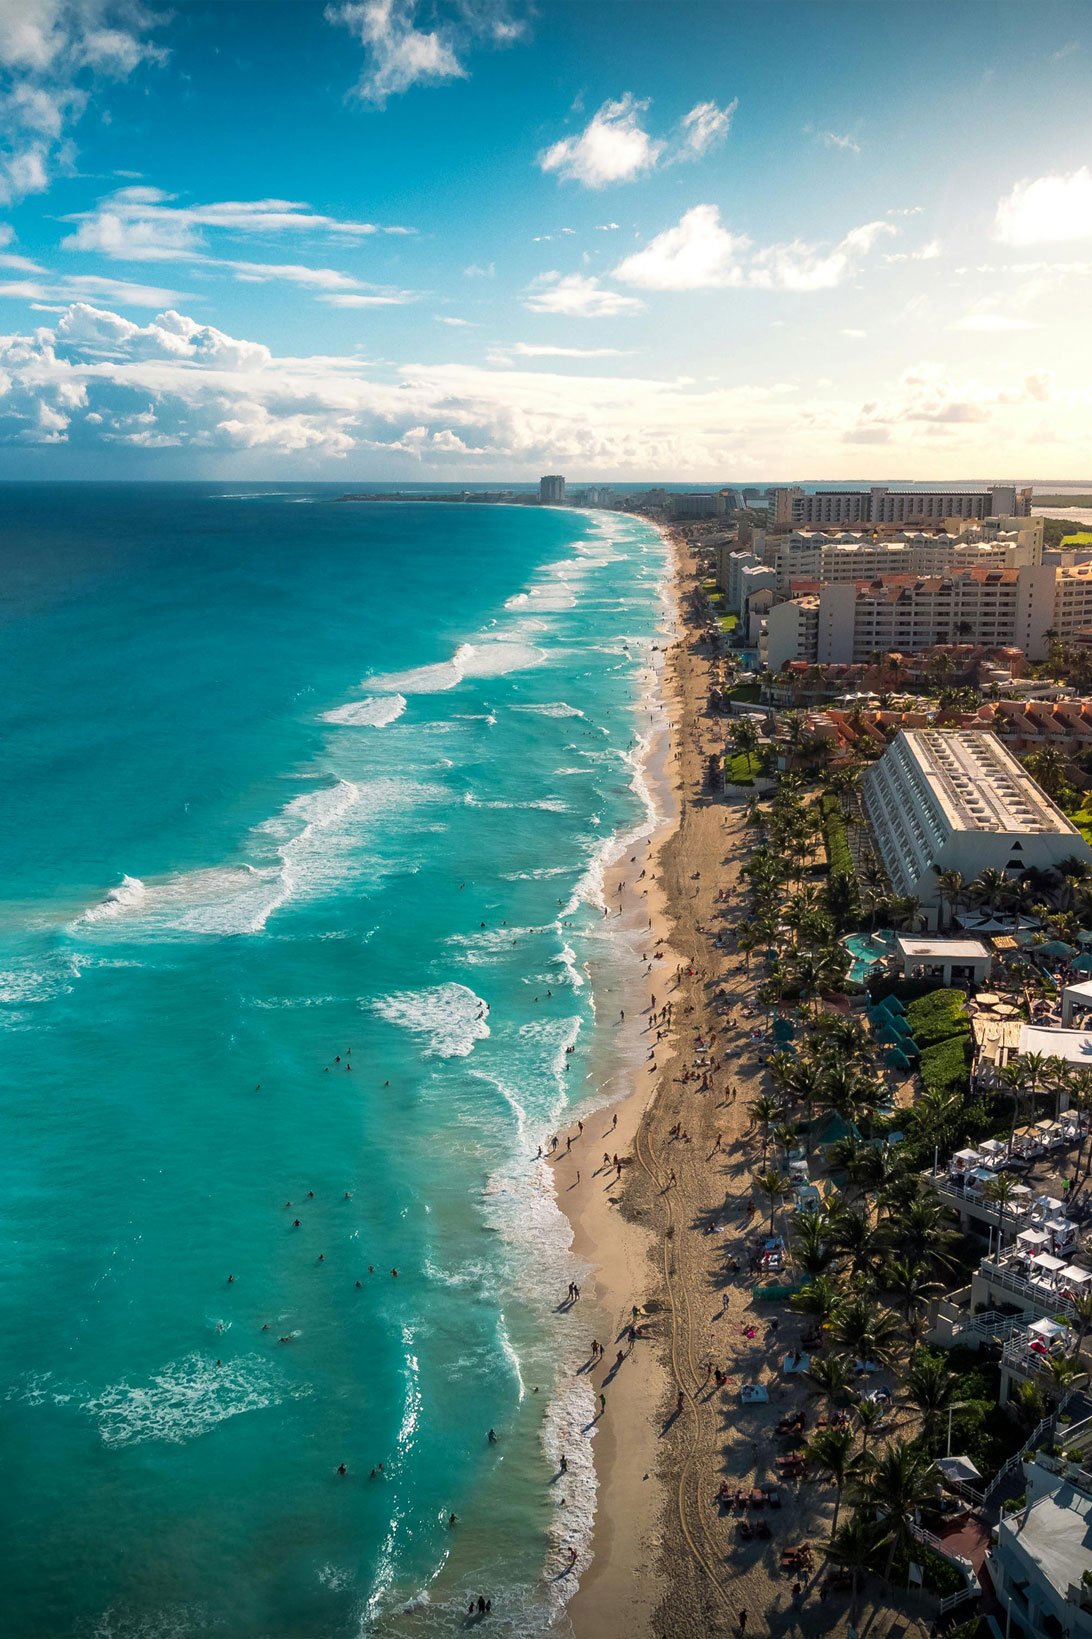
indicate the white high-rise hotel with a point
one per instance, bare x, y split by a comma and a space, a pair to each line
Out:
942, 800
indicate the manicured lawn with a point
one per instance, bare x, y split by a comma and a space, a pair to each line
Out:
746, 693
1082, 819
738, 771
728, 623
1082, 538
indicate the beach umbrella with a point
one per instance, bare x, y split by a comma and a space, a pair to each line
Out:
1084, 936
891, 1004
1083, 963
897, 1059
1055, 947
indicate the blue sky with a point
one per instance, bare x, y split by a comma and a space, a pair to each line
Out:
388, 239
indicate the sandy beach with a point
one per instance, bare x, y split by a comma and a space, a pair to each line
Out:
665, 1560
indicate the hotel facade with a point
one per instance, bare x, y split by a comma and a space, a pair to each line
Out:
958, 800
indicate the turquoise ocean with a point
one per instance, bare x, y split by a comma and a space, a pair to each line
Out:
305, 805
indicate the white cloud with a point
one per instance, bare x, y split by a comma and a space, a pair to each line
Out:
316, 278
78, 287
577, 296
705, 126
606, 227
400, 55
142, 224
840, 139
1052, 209
476, 271
54, 53
699, 254
531, 350
925, 253
379, 297
453, 323
613, 147
855, 335
96, 379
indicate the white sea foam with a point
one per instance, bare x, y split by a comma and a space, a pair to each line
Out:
546, 805
306, 850
492, 659
552, 708
547, 600
450, 1017
186, 1399
375, 711
538, 874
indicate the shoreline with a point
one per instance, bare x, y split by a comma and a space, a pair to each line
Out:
617, 1249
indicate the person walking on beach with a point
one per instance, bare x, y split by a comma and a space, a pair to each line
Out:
743, 1621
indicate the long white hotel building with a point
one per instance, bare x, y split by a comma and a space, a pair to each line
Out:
942, 800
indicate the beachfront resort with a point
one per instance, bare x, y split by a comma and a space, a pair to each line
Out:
872, 1145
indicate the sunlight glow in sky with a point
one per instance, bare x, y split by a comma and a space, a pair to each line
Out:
483, 239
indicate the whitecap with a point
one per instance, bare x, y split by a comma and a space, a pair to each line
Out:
450, 1017
469, 660
186, 1399
309, 848
374, 711
552, 708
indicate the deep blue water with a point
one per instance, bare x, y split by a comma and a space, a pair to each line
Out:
288, 779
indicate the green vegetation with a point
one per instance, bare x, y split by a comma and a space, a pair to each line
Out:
728, 623
1081, 501
739, 769
945, 1067
1083, 537
937, 1017
1055, 530
1082, 819
747, 694
835, 835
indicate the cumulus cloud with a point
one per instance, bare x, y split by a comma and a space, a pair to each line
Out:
400, 54
54, 54
1051, 209
615, 147
577, 296
699, 254
97, 379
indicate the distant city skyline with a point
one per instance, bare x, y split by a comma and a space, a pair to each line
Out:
483, 241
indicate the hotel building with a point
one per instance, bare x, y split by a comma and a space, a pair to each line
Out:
850, 621
845, 555
551, 489
880, 505
957, 800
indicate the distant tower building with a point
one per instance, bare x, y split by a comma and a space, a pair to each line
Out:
551, 489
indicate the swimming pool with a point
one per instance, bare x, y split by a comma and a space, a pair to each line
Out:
866, 950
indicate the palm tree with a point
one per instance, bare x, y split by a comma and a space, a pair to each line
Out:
831, 1451
855, 1548
774, 1187
1082, 1313
931, 1387
832, 1376
900, 1481
821, 1298
867, 1330
852, 1234
990, 887
950, 887
810, 1244
1001, 1190
764, 1111
743, 737
911, 1283
868, 1414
